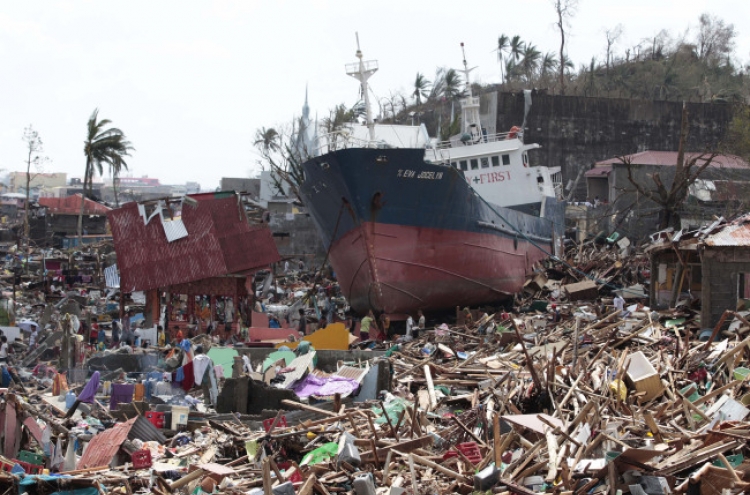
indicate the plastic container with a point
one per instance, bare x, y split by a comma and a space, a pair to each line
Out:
267, 423
180, 416
141, 459
486, 478
741, 373
31, 458
347, 451
364, 485
471, 451
156, 418
70, 399
29, 468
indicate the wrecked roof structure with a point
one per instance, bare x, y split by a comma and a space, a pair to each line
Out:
711, 265
162, 243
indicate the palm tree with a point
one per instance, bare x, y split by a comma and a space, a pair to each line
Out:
421, 88
502, 48
547, 66
530, 61
516, 47
451, 84
266, 140
102, 145
115, 168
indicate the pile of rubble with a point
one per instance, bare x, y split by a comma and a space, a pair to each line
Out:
511, 402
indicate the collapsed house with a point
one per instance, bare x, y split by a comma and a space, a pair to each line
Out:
199, 251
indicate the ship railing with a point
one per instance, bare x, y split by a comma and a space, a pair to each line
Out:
340, 140
353, 68
485, 138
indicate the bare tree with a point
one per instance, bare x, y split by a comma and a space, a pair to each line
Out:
565, 9
687, 171
715, 38
35, 157
612, 36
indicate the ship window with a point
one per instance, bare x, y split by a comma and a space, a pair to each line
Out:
506, 159
464, 165
454, 165
525, 159
474, 163
495, 161
485, 162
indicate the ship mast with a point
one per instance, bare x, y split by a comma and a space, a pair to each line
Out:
362, 71
470, 105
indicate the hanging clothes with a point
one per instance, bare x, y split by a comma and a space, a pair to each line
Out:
188, 377
139, 392
200, 364
122, 393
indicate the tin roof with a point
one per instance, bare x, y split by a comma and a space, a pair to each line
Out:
219, 242
669, 158
599, 171
736, 233
71, 205
104, 446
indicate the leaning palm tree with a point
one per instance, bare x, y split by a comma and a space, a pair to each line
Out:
421, 88
516, 47
102, 146
503, 43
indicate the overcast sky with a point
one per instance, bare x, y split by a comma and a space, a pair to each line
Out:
189, 82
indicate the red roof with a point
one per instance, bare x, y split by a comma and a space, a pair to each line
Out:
220, 241
71, 205
103, 446
669, 158
599, 171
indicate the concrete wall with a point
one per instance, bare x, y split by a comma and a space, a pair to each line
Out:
721, 266
295, 234
576, 131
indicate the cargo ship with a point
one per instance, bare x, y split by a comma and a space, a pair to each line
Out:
412, 223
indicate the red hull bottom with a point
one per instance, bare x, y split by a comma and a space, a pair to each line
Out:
400, 269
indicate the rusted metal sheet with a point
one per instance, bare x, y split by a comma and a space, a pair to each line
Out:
142, 429
104, 446
71, 205
731, 235
220, 242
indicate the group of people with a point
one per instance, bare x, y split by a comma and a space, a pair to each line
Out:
381, 329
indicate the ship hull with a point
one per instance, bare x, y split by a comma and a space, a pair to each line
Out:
403, 234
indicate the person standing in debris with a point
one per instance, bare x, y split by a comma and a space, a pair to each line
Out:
302, 327
555, 314
409, 328
368, 328
161, 337
115, 333
421, 323
34, 338
619, 303
385, 326
205, 377
3, 350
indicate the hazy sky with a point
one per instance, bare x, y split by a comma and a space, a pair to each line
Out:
189, 82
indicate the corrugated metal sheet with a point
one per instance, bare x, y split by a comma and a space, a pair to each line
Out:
352, 373
669, 158
219, 242
731, 235
71, 205
142, 429
104, 446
